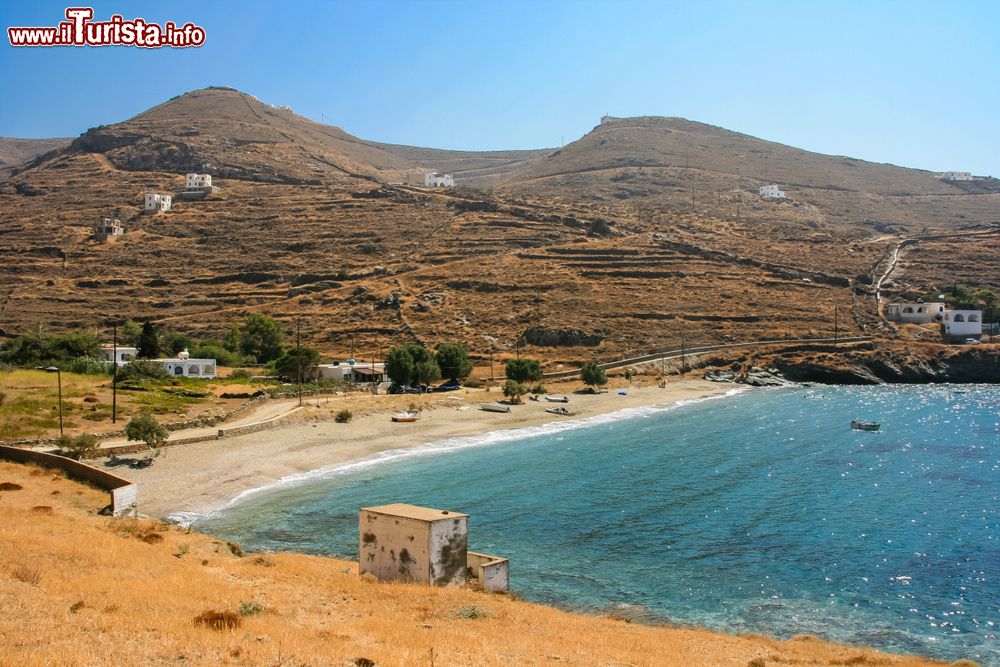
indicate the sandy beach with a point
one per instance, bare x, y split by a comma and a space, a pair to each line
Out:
202, 477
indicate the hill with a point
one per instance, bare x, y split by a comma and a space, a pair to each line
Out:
82, 589
16, 152
594, 251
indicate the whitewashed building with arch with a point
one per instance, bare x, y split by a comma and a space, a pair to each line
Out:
958, 325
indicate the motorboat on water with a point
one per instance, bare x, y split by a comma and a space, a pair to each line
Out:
865, 426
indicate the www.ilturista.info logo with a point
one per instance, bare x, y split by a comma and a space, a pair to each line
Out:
80, 30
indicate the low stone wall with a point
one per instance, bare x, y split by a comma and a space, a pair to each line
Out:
255, 426
492, 572
124, 494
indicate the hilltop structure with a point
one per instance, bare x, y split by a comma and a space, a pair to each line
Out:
108, 229
437, 180
771, 192
956, 176
157, 203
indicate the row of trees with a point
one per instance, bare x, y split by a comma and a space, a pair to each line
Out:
415, 364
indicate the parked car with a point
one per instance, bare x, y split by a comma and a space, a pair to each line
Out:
450, 385
971, 341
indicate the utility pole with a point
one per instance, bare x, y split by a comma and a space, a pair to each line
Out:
836, 324
298, 350
114, 371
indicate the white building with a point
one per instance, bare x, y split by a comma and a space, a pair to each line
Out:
157, 203
437, 180
915, 313
605, 119
771, 191
198, 182
108, 229
352, 372
124, 353
958, 325
184, 366
956, 176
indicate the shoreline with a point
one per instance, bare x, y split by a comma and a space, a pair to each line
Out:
189, 481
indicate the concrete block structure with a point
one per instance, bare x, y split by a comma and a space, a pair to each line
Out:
437, 180
108, 229
957, 176
410, 543
771, 192
125, 353
401, 542
198, 182
959, 325
915, 313
157, 203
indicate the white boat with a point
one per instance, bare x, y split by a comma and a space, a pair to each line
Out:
494, 407
557, 399
404, 417
559, 411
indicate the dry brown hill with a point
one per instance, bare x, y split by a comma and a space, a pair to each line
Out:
16, 152
598, 244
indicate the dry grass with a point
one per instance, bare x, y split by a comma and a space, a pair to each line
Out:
102, 595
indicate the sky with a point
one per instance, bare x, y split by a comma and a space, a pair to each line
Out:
911, 83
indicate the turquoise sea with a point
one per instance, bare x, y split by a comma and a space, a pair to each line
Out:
758, 512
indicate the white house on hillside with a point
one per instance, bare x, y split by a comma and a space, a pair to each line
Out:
157, 203
437, 180
108, 229
961, 324
183, 365
956, 176
915, 313
198, 182
771, 191
124, 353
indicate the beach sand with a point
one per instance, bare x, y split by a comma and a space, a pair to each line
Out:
202, 477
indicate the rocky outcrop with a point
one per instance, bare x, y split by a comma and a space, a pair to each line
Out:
892, 367
544, 337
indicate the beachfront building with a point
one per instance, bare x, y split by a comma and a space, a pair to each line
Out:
108, 229
184, 366
157, 203
351, 371
957, 176
958, 325
771, 192
915, 313
120, 355
437, 180
401, 542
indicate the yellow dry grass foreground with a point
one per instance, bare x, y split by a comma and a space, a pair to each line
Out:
81, 589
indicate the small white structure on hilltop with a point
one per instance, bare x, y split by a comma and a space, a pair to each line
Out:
771, 192
124, 353
184, 366
198, 182
108, 229
437, 180
961, 324
956, 176
915, 313
605, 119
157, 203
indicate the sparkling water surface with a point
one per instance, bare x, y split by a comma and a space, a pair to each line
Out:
762, 512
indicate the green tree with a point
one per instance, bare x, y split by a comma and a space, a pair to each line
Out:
297, 363
174, 342
593, 375
213, 349
77, 447
72, 345
524, 370
128, 335
453, 360
149, 342
426, 372
145, 428
399, 365
261, 338
514, 390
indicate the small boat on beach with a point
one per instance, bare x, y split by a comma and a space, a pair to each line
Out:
404, 417
559, 411
865, 426
557, 399
494, 407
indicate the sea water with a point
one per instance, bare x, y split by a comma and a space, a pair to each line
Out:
761, 512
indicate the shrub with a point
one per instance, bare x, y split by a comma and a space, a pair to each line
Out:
593, 375
144, 427
514, 390
29, 575
88, 366
218, 620
142, 369
343, 416
524, 370
471, 612
473, 383
539, 389
250, 608
77, 448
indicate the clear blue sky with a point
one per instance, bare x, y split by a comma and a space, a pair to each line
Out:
908, 82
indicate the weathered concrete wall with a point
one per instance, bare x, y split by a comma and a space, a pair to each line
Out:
492, 572
394, 548
448, 548
124, 494
256, 426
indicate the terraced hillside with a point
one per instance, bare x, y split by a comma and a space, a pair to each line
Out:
597, 261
